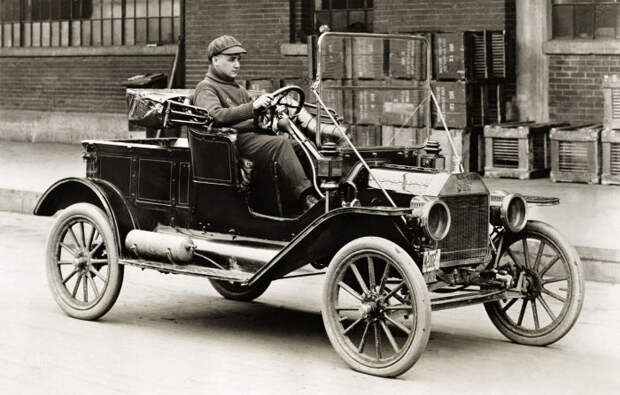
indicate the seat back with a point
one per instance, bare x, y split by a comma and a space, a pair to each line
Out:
214, 155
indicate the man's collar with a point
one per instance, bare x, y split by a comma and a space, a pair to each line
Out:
213, 76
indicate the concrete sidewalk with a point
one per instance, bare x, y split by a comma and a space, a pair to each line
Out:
589, 215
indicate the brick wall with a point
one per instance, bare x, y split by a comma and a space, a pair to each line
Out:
76, 83
261, 25
92, 83
448, 15
575, 86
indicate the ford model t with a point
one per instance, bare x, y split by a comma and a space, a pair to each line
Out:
395, 233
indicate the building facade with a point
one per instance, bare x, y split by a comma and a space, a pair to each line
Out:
63, 62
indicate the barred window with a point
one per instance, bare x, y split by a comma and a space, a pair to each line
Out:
586, 19
344, 15
78, 23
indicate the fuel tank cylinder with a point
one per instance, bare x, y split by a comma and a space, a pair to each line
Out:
178, 248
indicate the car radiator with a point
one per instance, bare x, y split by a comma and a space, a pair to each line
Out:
467, 240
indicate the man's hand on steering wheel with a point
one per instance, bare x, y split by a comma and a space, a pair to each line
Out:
277, 103
262, 102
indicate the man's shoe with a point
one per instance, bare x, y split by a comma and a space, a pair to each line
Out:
309, 201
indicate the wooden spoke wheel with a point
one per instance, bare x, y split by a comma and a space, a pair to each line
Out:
82, 262
376, 309
243, 293
548, 268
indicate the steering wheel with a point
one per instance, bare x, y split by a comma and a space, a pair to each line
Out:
268, 119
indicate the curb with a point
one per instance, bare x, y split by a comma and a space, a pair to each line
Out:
599, 264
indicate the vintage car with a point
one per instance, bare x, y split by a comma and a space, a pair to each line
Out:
395, 234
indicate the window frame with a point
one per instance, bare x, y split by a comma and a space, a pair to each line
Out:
36, 29
592, 5
330, 10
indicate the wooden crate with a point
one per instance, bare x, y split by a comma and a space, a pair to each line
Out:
575, 154
611, 94
365, 135
366, 57
467, 145
368, 98
402, 104
337, 95
333, 58
461, 103
393, 136
610, 147
452, 58
407, 59
517, 150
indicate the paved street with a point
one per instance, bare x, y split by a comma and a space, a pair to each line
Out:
172, 334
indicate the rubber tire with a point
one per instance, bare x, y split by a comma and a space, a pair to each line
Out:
568, 252
422, 300
116, 271
234, 291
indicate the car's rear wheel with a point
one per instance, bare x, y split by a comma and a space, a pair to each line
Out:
376, 308
235, 291
550, 270
82, 262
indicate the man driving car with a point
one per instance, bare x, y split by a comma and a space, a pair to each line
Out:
231, 106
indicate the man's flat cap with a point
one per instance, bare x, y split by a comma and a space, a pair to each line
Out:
226, 45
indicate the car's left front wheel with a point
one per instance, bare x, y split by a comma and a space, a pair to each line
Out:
375, 307
83, 271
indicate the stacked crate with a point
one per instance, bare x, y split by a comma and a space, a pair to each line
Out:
375, 85
469, 69
575, 153
517, 149
382, 82
405, 112
610, 137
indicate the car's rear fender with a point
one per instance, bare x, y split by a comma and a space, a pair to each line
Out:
100, 193
323, 238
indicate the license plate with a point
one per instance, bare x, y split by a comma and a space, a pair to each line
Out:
431, 261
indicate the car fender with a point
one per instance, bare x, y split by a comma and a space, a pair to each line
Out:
100, 193
330, 232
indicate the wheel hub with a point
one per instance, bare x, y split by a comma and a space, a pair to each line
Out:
372, 305
532, 284
81, 260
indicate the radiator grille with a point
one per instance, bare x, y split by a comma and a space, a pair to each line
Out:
573, 156
615, 103
468, 235
614, 159
506, 153
539, 151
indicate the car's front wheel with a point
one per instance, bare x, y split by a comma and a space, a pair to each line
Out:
548, 268
376, 308
83, 271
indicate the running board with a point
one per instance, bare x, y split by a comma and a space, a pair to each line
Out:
460, 300
190, 269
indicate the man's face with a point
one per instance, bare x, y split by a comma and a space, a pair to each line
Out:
227, 65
